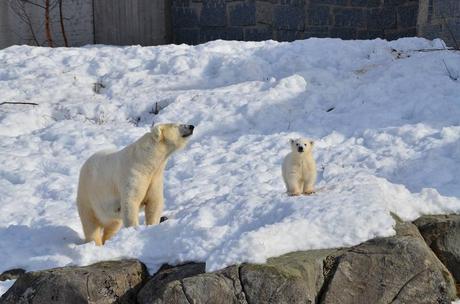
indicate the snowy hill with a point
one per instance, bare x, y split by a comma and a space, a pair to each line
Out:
385, 117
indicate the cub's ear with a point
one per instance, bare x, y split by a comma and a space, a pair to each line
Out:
312, 143
291, 141
157, 132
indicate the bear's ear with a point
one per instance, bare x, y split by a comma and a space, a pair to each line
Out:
312, 143
157, 132
291, 141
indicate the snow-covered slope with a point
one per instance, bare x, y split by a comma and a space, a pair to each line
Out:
385, 117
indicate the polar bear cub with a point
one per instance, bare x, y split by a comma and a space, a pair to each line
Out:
299, 167
113, 185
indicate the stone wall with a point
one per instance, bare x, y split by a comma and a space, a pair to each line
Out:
78, 23
196, 21
440, 19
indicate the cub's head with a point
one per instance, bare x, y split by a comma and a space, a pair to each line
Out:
171, 134
301, 145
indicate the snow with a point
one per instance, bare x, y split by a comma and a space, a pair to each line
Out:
5, 285
385, 119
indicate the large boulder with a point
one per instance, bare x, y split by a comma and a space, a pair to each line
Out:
442, 234
292, 278
166, 285
100, 283
12, 274
398, 269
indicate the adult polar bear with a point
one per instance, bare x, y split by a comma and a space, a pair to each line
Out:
114, 184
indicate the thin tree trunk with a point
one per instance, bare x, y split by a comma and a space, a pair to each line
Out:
61, 19
49, 38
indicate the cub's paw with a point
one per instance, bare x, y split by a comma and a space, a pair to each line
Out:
293, 193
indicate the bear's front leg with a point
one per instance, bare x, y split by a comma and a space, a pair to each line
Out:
309, 185
130, 204
293, 185
154, 202
130, 213
293, 190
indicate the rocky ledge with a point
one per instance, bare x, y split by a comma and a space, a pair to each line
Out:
418, 265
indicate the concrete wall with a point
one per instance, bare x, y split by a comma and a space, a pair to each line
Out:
196, 21
440, 19
78, 23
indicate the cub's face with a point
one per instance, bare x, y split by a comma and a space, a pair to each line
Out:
301, 145
175, 135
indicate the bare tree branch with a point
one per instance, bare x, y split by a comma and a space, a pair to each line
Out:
19, 103
49, 37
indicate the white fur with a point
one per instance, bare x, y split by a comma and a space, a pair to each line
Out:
113, 185
299, 168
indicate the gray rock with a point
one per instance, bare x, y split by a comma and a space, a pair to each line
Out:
399, 269
12, 274
442, 234
292, 278
188, 283
166, 285
219, 287
105, 282
183, 287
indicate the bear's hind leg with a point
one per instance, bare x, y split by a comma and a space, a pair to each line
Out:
110, 230
308, 188
154, 202
293, 190
92, 228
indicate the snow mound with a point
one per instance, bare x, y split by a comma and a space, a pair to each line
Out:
385, 117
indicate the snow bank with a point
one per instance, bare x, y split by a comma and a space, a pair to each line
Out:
385, 117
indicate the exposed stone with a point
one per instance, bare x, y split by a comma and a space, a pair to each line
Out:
188, 284
100, 283
166, 286
399, 269
442, 234
292, 278
220, 287
12, 274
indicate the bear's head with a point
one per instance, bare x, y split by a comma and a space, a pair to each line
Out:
171, 134
301, 145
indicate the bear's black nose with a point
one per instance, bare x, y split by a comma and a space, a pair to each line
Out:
191, 127
300, 149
